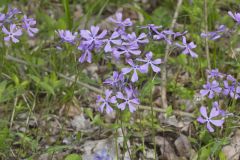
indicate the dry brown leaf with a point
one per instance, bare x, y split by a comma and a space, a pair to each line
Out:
167, 151
183, 146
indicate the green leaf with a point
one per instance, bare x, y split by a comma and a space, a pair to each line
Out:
67, 13
73, 157
204, 154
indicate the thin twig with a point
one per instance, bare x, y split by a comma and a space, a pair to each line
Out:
206, 31
92, 88
164, 66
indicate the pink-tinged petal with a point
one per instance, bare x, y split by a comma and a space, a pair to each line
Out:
5, 30
217, 123
94, 30
209, 127
134, 76
201, 120
155, 68
214, 112
126, 70
203, 111
122, 105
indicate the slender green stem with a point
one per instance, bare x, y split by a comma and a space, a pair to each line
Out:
125, 140
206, 31
143, 138
152, 119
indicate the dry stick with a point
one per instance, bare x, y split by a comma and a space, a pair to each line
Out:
141, 107
164, 66
206, 31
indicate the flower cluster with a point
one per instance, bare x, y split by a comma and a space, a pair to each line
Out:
121, 45
219, 83
13, 23
214, 35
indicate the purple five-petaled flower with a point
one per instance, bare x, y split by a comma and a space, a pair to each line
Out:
120, 22
28, 24
92, 37
209, 119
133, 67
235, 16
210, 88
215, 34
102, 155
67, 36
152, 29
128, 100
187, 47
214, 73
86, 55
164, 35
116, 81
127, 50
132, 39
148, 61
112, 40
106, 102
179, 34
13, 33
232, 89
